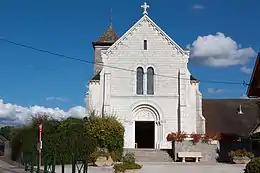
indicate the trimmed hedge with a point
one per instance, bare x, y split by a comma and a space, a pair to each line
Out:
71, 137
62, 139
128, 164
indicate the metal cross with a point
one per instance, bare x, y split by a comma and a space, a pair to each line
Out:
145, 7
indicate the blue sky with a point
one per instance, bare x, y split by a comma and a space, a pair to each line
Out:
68, 27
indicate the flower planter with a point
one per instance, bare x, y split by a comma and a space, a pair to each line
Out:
241, 160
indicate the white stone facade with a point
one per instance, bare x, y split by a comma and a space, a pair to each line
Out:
115, 91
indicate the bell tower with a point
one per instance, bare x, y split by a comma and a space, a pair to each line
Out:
103, 43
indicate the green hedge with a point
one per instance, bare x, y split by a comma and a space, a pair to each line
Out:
69, 137
62, 139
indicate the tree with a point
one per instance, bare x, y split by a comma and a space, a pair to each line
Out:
6, 131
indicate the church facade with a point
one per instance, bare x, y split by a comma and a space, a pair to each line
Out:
143, 78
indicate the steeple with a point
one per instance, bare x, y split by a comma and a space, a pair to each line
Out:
103, 43
108, 38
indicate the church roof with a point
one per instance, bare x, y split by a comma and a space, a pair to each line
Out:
193, 78
96, 77
253, 89
148, 19
109, 37
222, 116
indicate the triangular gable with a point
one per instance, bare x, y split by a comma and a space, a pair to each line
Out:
145, 17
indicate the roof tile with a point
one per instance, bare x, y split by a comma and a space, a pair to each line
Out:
109, 36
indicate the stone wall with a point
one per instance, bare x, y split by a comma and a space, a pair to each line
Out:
209, 151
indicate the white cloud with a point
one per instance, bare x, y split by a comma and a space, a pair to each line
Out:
57, 99
198, 6
219, 51
215, 91
246, 70
15, 114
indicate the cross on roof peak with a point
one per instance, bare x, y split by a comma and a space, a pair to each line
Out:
145, 7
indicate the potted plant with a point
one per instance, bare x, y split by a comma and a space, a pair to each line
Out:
241, 156
128, 165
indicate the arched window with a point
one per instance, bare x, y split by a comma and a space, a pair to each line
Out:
140, 81
150, 81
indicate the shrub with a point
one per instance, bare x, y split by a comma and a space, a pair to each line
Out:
129, 158
108, 132
128, 163
122, 167
114, 156
253, 166
93, 156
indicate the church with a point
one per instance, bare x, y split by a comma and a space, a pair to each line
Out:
143, 78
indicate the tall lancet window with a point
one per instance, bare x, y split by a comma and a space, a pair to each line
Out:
140, 81
150, 81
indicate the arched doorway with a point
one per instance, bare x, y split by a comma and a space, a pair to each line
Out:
146, 128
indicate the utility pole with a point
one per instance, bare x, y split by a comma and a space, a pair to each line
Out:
39, 147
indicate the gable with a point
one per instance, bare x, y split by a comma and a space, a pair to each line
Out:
145, 18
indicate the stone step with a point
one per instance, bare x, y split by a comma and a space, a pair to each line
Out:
150, 155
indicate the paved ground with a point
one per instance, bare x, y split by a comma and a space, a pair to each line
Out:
147, 168
7, 168
173, 167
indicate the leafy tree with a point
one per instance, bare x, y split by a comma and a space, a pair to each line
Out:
6, 131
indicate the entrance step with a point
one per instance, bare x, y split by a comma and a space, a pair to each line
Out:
150, 155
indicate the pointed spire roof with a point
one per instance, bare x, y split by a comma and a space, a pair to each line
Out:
108, 38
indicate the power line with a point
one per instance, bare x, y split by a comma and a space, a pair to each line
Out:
114, 67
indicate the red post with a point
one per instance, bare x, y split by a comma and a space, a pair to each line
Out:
40, 133
39, 146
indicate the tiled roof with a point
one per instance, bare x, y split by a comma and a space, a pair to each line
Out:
222, 116
109, 36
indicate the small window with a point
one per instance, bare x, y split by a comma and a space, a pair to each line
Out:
145, 44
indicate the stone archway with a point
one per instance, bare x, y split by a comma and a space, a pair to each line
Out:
147, 129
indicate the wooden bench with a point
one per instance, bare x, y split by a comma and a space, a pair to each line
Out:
185, 155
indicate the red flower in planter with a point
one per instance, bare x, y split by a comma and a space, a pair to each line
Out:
178, 136
211, 136
241, 153
195, 138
